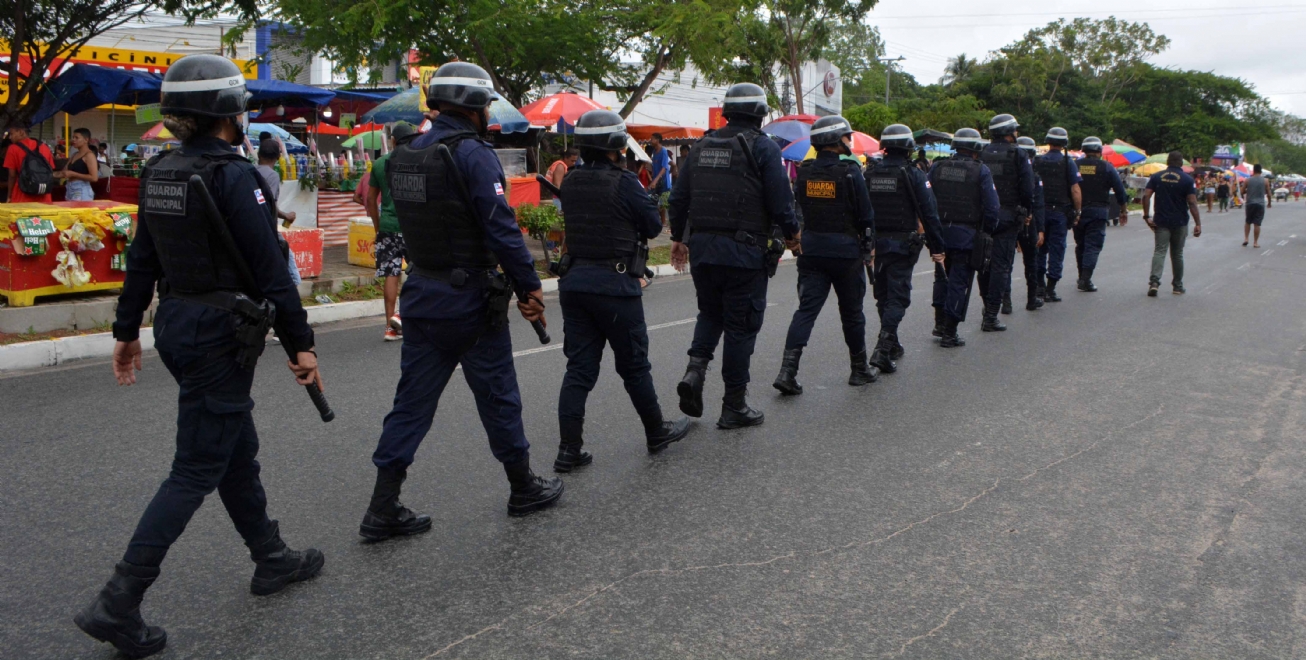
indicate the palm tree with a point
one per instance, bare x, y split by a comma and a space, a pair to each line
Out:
959, 69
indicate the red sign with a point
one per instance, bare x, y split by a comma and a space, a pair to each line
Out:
714, 118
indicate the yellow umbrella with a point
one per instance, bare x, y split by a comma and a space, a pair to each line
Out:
1149, 169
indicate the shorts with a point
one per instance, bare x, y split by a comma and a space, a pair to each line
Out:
1255, 214
664, 199
79, 191
390, 254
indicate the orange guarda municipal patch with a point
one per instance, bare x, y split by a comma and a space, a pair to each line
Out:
820, 189
1090, 170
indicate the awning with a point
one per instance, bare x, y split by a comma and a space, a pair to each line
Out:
285, 93
645, 132
82, 87
929, 135
374, 96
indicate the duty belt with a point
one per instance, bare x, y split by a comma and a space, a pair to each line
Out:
232, 301
458, 277
741, 236
618, 264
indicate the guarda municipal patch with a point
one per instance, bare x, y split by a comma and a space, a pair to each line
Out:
821, 189
166, 197
1090, 170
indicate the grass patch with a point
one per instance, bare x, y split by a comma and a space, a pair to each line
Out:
659, 256
7, 338
350, 292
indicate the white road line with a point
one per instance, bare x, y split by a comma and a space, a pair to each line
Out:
668, 325
1267, 252
1245, 266
924, 272
558, 345
1283, 242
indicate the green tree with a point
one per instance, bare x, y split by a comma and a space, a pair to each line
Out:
942, 113
870, 118
1192, 111
959, 69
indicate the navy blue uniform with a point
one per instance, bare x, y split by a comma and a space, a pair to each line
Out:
834, 260
1027, 239
730, 276
995, 283
952, 282
216, 439
896, 255
445, 325
1055, 223
601, 306
1090, 233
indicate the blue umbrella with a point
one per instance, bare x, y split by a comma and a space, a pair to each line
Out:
797, 150
293, 145
788, 130
405, 106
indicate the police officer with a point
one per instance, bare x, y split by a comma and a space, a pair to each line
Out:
904, 206
732, 196
447, 187
838, 237
1062, 201
204, 306
1013, 177
1099, 181
969, 212
1030, 239
609, 219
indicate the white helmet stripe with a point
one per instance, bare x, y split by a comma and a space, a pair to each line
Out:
454, 80
599, 130
831, 128
1009, 122
203, 85
745, 99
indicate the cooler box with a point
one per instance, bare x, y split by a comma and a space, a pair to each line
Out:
306, 245
23, 278
362, 236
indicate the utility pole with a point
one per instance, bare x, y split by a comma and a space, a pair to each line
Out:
888, 73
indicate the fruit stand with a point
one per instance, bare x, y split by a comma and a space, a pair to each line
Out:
72, 247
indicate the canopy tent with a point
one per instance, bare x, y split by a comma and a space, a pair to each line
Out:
328, 129
567, 106
406, 106
646, 131
374, 96
369, 140
82, 87
929, 136
286, 93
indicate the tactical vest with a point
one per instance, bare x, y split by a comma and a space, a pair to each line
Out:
727, 192
826, 197
891, 198
956, 184
193, 258
431, 202
1003, 160
1055, 175
1096, 187
599, 226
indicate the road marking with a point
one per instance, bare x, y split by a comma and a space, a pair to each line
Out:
558, 346
924, 272
1267, 252
1283, 242
680, 322
1292, 236
1245, 266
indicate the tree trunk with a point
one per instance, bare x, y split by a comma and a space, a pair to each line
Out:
637, 95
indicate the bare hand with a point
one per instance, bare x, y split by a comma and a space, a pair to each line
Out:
126, 361
1124, 217
290, 216
1040, 240
305, 371
1197, 231
532, 309
1150, 225
679, 256
937, 258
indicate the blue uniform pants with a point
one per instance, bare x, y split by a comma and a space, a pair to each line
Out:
431, 351
952, 283
995, 283
1053, 252
1028, 242
893, 273
216, 440
1090, 236
731, 301
589, 322
816, 276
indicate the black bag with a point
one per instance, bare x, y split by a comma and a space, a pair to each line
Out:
982, 252
35, 177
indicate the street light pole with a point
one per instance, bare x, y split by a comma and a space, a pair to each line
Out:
888, 73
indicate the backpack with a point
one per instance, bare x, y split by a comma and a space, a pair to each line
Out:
35, 177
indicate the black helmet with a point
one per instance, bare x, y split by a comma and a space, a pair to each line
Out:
745, 99
401, 131
897, 136
462, 84
1092, 143
209, 85
1003, 124
829, 131
1027, 145
968, 139
601, 129
1058, 137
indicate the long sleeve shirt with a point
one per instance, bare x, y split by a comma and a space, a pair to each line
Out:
927, 209
960, 237
840, 245
637, 204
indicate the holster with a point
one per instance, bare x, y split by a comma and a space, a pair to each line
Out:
775, 248
498, 295
253, 319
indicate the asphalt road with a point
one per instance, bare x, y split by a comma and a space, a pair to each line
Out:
1115, 476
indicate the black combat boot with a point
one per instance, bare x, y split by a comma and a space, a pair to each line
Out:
1086, 281
862, 373
658, 433
690, 388
386, 516
787, 380
115, 615
950, 336
991, 322
882, 356
570, 453
735, 411
1006, 303
529, 492
1040, 289
1033, 301
940, 322
1050, 293
277, 565
897, 351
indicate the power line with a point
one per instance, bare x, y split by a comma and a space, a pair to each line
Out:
1184, 10
973, 25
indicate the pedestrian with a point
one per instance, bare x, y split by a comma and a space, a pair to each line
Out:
203, 304
609, 221
30, 165
1100, 180
1176, 197
1013, 177
1257, 200
1062, 201
1222, 194
269, 151
455, 302
969, 210
1030, 239
906, 219
661, 180
389, 246
838, 246
102, 157
1209, 191
558, 170
82, 169
733, 197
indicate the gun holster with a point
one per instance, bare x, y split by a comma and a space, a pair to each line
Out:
253, 320
498, 295
637, 263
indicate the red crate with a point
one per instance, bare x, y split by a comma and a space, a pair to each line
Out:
306, 245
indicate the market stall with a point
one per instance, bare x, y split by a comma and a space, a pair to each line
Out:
72, 247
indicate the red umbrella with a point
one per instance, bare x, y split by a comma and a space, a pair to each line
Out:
1110, 156
806, 119
568, 106
864, 144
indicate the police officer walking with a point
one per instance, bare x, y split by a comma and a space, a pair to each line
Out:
609, 219
732, 196
906, 219
209, 331
1030, 239
1100, 180
1062, 202
838, 238
1013, 177
447, 187
969, 212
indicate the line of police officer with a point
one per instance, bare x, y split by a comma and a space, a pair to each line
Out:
732, 214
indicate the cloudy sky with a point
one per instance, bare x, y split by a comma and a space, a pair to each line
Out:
1262, 44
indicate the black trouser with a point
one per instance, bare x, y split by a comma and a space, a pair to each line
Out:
1028, 241
893, 274
731, 301
816, 276
995, 283
952, 283
589, 322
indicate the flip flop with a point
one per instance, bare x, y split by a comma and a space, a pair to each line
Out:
1244, 243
